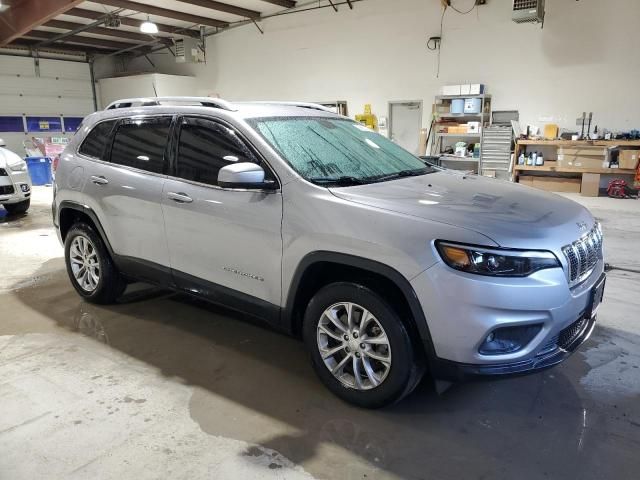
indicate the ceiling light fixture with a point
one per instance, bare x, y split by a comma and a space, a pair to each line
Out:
148, 27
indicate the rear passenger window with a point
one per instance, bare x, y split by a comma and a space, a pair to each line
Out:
95, 143
205, 147
141, 144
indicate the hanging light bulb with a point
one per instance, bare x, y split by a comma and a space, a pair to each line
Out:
148, 27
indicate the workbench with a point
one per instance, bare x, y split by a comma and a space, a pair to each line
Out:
550, 164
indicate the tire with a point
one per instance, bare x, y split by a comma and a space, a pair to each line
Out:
396, 380
110, 284
18, 208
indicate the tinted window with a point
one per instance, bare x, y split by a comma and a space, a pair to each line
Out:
205, 147
141, 144
95, 143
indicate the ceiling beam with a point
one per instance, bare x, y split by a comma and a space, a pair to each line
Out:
109, 32
24, 16
223, 7
27, 44
163, 12
282, 3
78, 39
132, 22
83, 28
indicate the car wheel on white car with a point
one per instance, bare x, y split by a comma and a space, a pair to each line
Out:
90, 268
359, 346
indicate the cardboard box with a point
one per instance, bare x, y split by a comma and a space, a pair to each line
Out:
581, 162
451, 90
590, 185
628, 159
465, 89
526, 180
583, 151
582, 157
553, 184
476, 89
457, 129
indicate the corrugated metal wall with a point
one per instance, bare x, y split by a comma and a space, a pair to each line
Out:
60, 88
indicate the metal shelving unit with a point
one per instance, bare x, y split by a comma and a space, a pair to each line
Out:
441, 140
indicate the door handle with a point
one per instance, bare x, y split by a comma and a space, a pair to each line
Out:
179, 197
99, 180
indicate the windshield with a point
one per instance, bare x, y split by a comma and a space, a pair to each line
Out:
330, 150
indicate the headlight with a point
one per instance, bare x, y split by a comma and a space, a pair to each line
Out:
18, 167
495, 262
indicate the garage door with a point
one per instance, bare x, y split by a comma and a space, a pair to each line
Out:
44, 100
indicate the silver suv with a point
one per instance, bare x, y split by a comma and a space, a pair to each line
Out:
386, 266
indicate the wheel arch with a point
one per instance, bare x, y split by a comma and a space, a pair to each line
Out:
320, 268
70, 213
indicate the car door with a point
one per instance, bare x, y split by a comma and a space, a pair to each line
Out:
224, 243
128, 193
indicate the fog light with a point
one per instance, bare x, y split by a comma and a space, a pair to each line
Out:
509, 339
24, 187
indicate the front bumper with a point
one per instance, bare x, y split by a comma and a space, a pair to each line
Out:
15, 187
462, 309
453, 371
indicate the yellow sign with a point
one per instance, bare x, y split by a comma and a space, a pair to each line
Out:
44, 125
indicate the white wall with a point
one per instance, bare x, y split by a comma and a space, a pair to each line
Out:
145, 85
585, 58
61, 88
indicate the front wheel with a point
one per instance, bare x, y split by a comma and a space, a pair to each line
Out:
17, 208
359, 346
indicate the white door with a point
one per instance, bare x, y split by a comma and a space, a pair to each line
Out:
405, 122
50, 89
223, 242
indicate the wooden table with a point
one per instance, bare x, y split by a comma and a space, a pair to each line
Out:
550, 164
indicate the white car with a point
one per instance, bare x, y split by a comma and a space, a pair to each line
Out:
15, 183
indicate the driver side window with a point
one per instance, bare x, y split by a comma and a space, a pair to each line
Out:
205, 147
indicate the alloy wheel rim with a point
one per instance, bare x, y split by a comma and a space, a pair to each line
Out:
353, 345
85, 264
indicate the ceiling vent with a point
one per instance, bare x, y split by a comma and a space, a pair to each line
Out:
528, 11
188, 50
112, 21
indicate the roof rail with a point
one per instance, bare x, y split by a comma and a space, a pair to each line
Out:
312, 106
155, 101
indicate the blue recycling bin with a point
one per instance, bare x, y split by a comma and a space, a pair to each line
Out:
39, 170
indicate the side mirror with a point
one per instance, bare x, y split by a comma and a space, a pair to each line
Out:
243, 175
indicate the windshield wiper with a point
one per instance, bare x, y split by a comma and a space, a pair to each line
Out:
343, 181
401, 174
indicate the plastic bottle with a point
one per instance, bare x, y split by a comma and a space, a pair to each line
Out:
534, 158
529, 160
521, 159
539, 159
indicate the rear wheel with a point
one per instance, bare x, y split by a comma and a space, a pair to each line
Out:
17, 208
359, 346
89, 266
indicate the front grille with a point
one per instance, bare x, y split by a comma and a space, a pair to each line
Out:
583, 254
6, 190
570, 333
3, 172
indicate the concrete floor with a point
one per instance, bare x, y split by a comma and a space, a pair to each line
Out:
162, 386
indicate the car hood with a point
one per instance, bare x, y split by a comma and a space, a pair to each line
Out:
7, 157
512, 215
